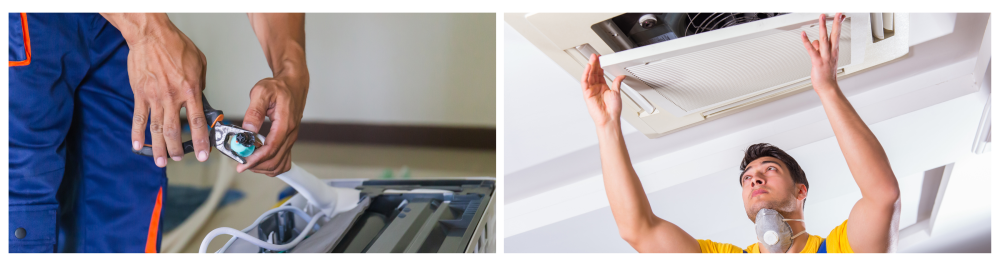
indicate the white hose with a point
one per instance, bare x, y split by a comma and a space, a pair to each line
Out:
266, 214
243, 234
177, 240
329, 201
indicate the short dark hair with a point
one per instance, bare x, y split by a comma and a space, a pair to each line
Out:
767, 150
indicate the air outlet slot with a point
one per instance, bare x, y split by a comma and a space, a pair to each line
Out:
692, 81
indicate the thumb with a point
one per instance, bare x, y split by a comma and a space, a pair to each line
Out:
254, 117
616, 85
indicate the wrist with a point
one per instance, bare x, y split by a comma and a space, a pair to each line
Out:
138, 27
286, 58
609, 129
295, 77
824, 89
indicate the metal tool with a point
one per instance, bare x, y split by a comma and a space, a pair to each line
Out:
224, 137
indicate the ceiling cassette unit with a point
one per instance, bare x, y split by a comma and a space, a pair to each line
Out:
685, 68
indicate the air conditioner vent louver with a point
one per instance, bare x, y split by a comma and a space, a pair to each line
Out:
753, 66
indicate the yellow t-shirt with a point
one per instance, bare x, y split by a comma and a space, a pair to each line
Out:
836, 243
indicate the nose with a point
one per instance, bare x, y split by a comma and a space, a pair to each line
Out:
757, 180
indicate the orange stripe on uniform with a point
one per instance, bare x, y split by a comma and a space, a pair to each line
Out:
154, 224
27, 43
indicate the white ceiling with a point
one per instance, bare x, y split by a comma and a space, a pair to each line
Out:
553, 189
547, 125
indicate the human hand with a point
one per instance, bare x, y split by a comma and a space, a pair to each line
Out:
824, 53
283, 100
167, 72
604, 104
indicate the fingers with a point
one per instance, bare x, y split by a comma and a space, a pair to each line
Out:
596, 73
813, 55
824, 42
585, 78
139, 116
172, 132
275, 144
835, 33
199, 127
616, 85
260, 98
156, 131
591, 68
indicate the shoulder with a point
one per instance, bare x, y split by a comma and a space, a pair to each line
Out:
708, 246
812, 244
836, 242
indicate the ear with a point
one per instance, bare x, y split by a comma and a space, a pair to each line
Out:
801, 192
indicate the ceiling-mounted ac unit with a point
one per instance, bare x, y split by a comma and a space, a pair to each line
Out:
683, 68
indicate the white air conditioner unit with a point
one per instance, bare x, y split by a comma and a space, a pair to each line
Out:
676, 83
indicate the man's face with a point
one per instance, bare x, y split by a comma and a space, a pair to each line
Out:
767, 183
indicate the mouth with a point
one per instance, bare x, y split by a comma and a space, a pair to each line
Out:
757, 192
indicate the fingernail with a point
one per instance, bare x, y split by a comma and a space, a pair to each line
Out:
176, 158
249, 127
135, 145
202, 156
161, 162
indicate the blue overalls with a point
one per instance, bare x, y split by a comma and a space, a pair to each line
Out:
75, 185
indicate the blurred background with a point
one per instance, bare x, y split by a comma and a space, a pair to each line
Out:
391, 96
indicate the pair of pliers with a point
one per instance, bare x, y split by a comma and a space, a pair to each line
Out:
231, 140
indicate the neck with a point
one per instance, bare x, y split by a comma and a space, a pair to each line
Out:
799, 242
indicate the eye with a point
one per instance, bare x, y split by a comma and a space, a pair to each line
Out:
772, 168
745, 178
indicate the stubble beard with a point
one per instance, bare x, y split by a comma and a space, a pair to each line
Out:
783, 206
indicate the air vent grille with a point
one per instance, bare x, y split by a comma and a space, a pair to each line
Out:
692, 81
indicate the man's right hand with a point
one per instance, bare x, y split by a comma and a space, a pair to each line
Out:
824, 54
604, 104
167, 72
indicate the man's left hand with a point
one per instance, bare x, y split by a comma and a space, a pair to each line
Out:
282, 99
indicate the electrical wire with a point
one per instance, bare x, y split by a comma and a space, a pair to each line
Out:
297, 211
254, 240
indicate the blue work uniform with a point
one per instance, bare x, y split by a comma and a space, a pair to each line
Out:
74, 184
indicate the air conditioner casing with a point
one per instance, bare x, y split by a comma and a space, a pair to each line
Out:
693, 79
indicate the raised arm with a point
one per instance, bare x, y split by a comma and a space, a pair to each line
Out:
281, 97
635, 219
873, 222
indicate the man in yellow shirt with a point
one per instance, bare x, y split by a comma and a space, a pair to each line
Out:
771, 179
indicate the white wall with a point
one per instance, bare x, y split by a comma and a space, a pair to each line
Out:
397, 69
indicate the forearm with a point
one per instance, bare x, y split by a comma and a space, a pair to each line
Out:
283, 39
864, 154
628, 200
140, 27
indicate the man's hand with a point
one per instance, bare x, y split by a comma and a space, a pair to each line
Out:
604, 104
167, 72
281, 98
825, 53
